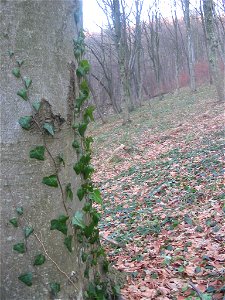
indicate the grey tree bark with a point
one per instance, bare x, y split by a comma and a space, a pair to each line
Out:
213, 44
190, 46
41, 33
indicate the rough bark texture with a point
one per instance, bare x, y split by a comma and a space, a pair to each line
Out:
41, 33
213, 44
191, 62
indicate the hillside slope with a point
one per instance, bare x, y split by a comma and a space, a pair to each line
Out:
161, 179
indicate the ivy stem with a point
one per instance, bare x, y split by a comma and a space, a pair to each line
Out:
57, 176
52, 260
45, 144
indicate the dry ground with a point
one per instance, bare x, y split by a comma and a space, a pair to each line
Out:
161, 179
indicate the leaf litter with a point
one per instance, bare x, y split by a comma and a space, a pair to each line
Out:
164, 200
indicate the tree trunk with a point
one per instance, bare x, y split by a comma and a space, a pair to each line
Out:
190, 46
41, 33
212, 40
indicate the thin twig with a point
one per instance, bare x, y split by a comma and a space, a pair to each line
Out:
56, 170
196, 290
49, 257
111, 241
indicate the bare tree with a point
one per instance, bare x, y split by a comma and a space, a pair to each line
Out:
213, 44
190, 46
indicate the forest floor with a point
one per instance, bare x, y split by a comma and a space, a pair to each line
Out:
161, 180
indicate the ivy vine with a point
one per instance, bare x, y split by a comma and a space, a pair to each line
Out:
82, 224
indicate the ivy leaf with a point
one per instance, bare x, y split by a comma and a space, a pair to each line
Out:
38, 153
78, 167
95, 217
27, 82
39, 260
11, 53
76, 144
88, 113
88, 170
55, 288
188, 220
26, 278
69, 193
78, 219
82, 128
50, 180
96, 196
23, 94
19, 210
20, 62
28, 231
60, 224
87, 207
14, 222
36, 105
84, 88
25, 122
88, 142
80, 193
83, 68
61, 159
20, 247
49, 128
85, 159
68, 242
16, 72
84, 257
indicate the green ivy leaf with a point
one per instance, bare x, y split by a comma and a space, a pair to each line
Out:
78, 167
88, 141
28, 231
82, 128
68, 242
16, 72
50, 180
20, 247
69, 193
95, 217
88, 170
88, 113
23, 94
14, 222
19, 210
49, 128
25, 122
11, 53
38, 153
36, 105
105, 266
89, 230
78, 220
76, 144
83, 68
84, 88
188, 220
20, 62
27, 82
60, 224
85, 159
26, 278
39, 260
55, 288
80, 193
61, 159
87, 207
96, 196
84, 257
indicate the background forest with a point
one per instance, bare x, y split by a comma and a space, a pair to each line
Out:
148, 49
